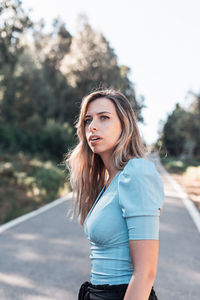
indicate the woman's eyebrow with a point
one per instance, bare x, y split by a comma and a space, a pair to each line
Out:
102, 112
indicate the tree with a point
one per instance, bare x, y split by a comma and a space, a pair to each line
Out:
13, 22
92, 64
49, 49
193, 123
174, 136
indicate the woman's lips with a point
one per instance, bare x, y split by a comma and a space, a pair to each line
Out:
95, 141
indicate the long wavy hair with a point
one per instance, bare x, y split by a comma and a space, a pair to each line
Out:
87, 173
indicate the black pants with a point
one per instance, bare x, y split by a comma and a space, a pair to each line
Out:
88, 291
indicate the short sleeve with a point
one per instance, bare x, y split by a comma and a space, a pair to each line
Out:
141, 196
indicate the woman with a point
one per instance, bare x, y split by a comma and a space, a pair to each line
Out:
119, 195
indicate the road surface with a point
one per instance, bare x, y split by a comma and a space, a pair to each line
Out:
46, 257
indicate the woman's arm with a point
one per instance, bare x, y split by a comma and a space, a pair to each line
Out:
144, 255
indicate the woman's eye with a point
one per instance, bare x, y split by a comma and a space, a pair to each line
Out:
104, 117
86, 121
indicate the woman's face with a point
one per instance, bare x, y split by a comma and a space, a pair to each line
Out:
101, 119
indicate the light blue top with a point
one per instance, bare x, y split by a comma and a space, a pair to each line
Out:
128, 209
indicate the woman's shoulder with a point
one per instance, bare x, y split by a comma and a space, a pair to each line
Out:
140, 188
138, 165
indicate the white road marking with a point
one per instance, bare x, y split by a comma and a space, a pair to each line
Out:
34, 213
193, 211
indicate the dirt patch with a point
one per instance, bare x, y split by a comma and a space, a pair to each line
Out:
191, 186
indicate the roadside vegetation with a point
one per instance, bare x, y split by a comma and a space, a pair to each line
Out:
28, 183
187, 174
179, 142
43, 78
178, 166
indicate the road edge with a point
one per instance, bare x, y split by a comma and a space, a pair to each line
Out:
34, 213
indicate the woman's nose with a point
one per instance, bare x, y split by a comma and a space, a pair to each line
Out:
92, 126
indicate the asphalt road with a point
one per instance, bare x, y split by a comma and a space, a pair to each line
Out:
47, 256
178, 276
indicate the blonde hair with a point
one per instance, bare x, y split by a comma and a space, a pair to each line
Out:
87, 173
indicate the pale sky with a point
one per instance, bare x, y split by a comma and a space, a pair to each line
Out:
158, 39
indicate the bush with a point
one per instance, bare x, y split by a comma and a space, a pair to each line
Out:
49, 141
56, 138
27, 184
49, 179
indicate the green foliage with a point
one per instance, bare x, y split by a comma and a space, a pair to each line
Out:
174, 131
174, 165
48, 142
49, 179
181, 132
43, 77
193, 123
27, 93
6, 137
92, 64
27, 184
39, 102
13, 22
56, 138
